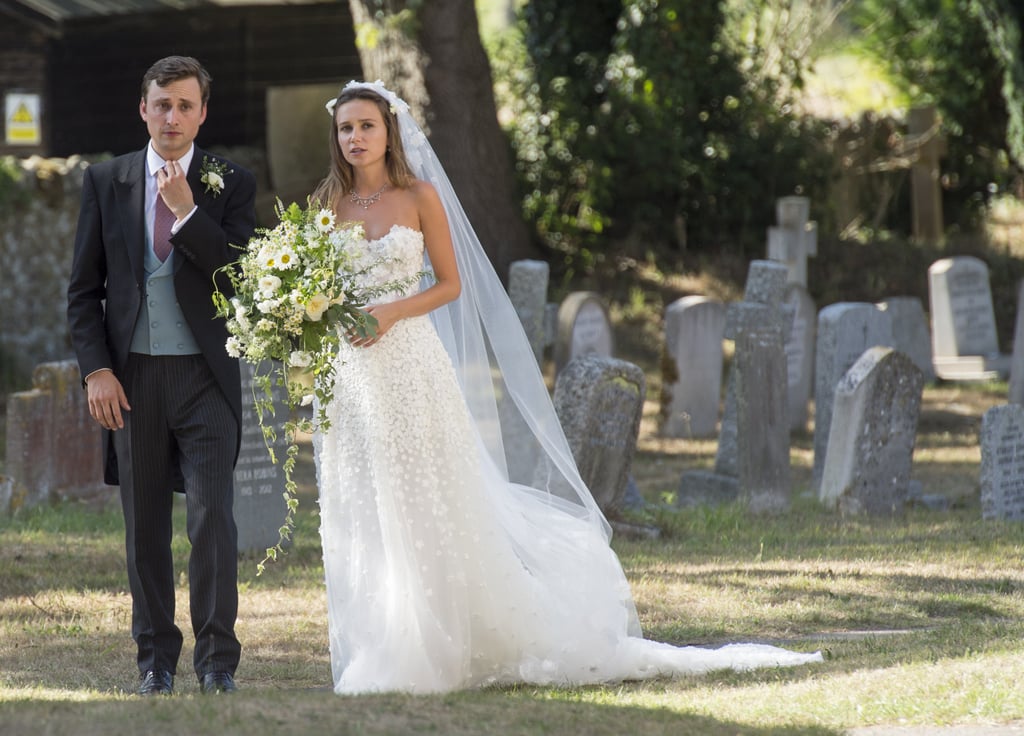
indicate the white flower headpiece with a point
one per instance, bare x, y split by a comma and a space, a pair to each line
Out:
396, 103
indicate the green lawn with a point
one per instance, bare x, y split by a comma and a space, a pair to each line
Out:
921, 619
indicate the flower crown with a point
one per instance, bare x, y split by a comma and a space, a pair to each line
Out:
396, 103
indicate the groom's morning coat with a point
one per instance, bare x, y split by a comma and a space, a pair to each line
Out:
110, 248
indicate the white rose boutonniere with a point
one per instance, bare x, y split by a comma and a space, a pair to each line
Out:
212, 174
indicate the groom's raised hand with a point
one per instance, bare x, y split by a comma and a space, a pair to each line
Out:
174, 188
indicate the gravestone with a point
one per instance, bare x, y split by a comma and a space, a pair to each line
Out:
765, 287
1016, 393
583, 329
965, 346
259, 483
799, 349
1002, 463
910, 331
871, 443
845, 331
550, 323
692, 367
762, 416
54, 448
755, 465
599, 402
528, 292
794, 239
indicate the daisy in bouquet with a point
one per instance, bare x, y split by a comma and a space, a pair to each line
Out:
297, 294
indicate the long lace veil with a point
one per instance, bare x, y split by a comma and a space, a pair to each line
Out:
499, 375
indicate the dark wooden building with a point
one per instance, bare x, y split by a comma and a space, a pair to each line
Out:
82, 61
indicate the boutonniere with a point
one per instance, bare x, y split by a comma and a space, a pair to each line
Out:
212, 174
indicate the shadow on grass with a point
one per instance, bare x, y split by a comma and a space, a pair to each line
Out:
264, 712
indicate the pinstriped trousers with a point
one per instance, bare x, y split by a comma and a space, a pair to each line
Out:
179, 435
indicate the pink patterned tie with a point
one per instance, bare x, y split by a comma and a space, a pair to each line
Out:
163, 218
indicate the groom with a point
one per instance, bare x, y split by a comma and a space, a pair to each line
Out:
153, 228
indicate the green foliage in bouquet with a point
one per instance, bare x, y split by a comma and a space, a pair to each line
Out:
299, 290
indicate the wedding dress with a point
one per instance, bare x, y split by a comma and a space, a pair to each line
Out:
441, 573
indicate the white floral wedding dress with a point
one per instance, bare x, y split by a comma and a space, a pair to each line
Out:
440, 574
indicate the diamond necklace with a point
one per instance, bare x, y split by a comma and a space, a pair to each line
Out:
365, 202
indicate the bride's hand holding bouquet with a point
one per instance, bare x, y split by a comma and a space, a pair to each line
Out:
297, 295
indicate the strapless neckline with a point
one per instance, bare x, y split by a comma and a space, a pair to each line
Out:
391, 231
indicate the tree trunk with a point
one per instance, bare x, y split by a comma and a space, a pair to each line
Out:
442, 71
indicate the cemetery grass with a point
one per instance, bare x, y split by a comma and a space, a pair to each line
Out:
920, 618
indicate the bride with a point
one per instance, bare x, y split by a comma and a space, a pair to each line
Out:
448, 565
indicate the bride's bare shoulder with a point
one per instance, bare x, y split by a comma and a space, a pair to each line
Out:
422, 189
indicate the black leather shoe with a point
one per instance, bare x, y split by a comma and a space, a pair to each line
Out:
156, 682
217, 682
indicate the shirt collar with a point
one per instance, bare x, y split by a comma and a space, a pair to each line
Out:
155, 162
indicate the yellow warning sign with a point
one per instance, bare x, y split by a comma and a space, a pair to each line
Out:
22, 115
21, 119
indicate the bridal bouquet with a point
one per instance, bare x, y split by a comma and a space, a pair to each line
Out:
297, 294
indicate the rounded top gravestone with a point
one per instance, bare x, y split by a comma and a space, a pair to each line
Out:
584, 328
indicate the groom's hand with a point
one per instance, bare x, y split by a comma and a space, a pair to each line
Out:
174, 188
107, 399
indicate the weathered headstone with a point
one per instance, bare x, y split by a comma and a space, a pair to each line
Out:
871, 443
755, 465
692, 366
583, 329
762, 419
550, 323
528, 291
765, 287
965, 345
794, 238
910, 331
599, 402
1016, 393
259, 482
54, 447
845, 331
799, 347
1002, 463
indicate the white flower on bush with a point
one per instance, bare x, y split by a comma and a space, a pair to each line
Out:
265, 325
300, 359
269, 285
234, 347
316, 306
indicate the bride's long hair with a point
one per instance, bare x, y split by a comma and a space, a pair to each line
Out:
340, 179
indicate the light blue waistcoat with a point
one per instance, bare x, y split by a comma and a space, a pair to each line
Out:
161, 328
